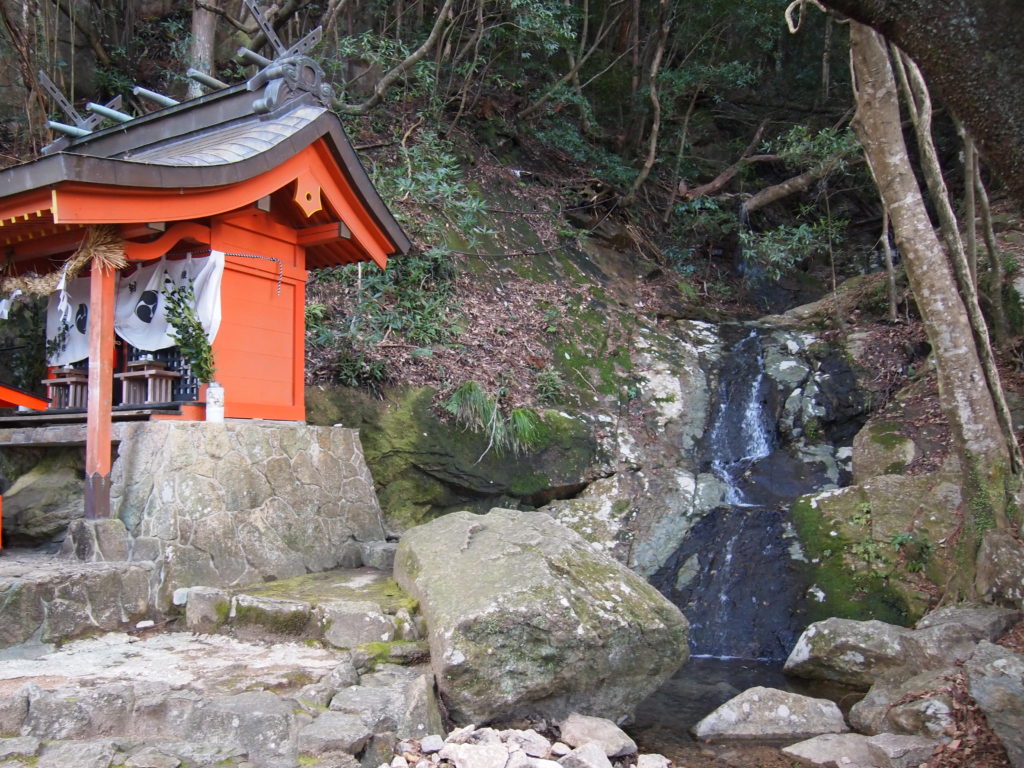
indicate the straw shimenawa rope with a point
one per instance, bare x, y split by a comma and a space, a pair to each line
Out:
101, 245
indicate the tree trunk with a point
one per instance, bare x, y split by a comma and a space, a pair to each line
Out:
204, 33
970, 201
652, 143
890, 270
996, 272
972, 54
920, 105
965, 397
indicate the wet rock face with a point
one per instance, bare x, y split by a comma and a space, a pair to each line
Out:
820, 396
524, 617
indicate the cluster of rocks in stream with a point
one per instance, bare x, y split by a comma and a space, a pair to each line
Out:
907, 715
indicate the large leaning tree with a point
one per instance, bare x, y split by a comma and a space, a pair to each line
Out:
972, 55
965, 395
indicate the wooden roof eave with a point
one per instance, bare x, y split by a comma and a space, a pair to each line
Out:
75, 166
76, 203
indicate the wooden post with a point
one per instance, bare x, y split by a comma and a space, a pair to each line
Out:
101, 387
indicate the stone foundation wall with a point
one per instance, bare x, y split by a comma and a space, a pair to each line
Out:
243, 501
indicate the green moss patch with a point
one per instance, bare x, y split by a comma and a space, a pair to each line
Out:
344, 585
282, 622
850, 592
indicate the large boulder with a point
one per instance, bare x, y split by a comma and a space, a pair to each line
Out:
951, 634
42, 502
770, 714
525, 617
920, 705
861, 653
854, 653
995, 678
1000, 576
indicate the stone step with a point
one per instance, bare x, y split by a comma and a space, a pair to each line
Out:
360, 608
133, 753
123, 700
48, 599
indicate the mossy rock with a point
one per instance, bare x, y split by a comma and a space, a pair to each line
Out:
880, 448
843, 563
423, 467
877, 541
526, 618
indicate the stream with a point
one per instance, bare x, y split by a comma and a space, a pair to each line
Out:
737, 576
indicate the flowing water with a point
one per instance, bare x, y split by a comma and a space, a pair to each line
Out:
735, 576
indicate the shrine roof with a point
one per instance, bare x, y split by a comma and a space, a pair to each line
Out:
226, 137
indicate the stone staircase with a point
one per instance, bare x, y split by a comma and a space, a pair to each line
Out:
359, 608
296, 672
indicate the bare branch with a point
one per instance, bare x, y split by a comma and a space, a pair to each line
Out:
388, 79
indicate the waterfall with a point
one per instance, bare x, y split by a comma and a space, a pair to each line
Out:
733, 576
741, 432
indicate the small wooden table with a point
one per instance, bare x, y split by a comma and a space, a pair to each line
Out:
69, 389
146, 381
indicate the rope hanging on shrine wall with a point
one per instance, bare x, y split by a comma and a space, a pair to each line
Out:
280, 265
102, 245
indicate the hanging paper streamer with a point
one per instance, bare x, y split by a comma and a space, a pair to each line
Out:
67, 322
5, 304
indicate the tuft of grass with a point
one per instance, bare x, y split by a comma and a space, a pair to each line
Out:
477, 411
550, 386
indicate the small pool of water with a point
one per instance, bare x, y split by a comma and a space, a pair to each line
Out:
662, 723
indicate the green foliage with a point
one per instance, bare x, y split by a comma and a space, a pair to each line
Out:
525, 428
863, 514
316, 313
703, 220
916, 551
550, 386
194, 344
374, 49
778, 251
803, 147
476, 411
563, 135
23, 336
413, 298
868, 551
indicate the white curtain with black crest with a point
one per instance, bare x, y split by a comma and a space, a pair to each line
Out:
139, 316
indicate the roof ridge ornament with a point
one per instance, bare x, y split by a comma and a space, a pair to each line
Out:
290, 72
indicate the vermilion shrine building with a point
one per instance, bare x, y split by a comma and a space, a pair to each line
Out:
261, 172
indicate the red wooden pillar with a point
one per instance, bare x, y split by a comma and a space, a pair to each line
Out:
101, 388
